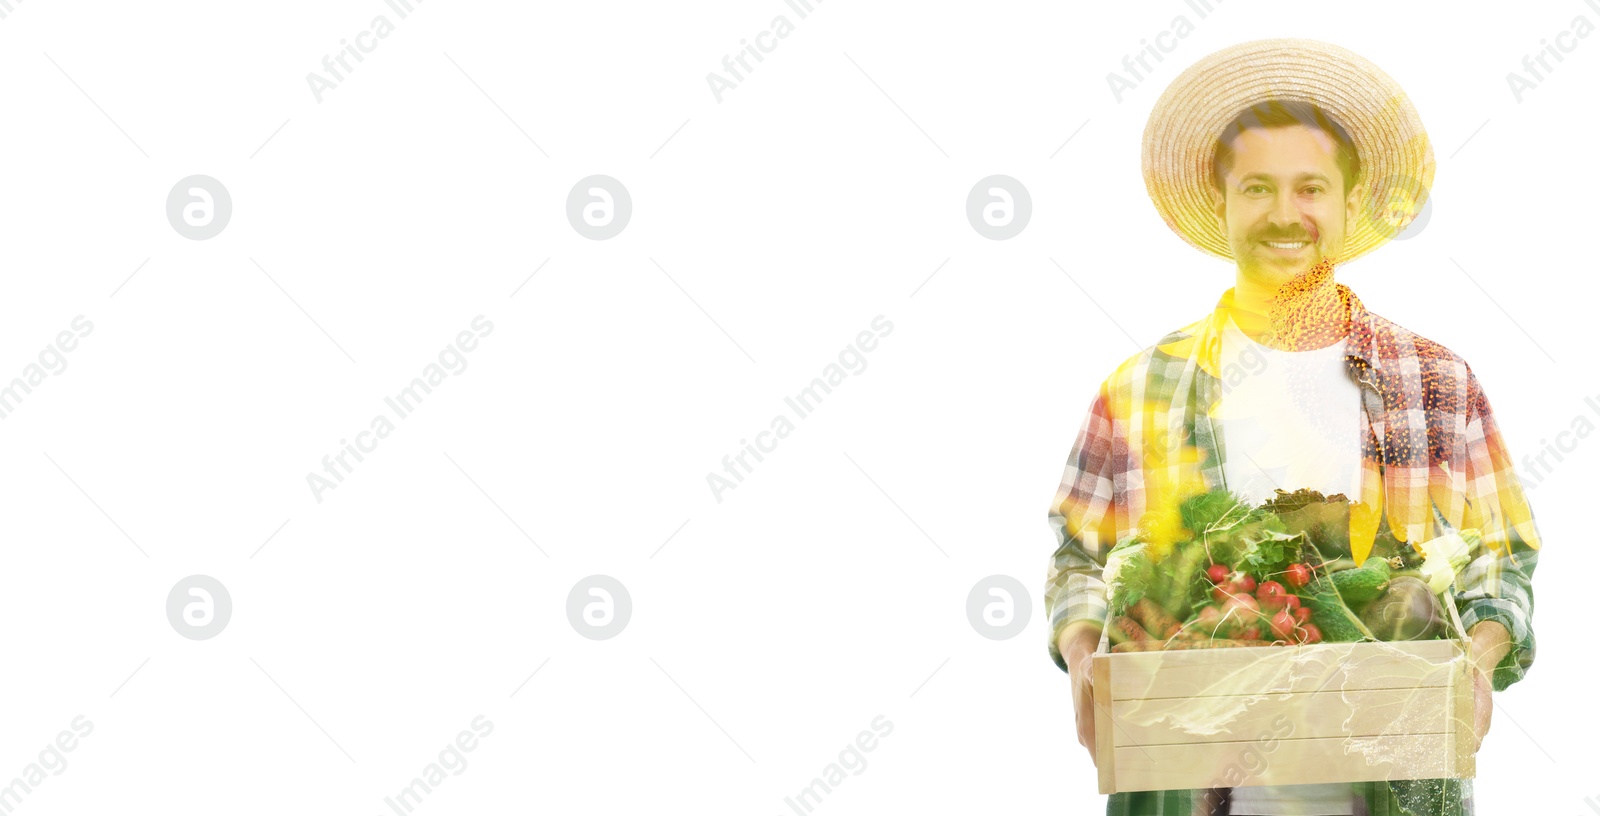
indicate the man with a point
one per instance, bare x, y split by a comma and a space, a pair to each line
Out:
1266, 154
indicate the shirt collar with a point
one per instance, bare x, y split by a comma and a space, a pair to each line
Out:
1204, 340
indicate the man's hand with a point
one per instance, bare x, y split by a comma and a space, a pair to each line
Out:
1077, 644
1483, 705
1490, 642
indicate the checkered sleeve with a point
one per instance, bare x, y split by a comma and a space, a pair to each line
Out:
1081, 517
1497, 583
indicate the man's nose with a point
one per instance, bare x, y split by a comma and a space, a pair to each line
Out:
1285, 214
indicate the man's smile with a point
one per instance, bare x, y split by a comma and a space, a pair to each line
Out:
1286, 247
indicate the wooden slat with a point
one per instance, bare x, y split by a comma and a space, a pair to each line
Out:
1442, 648
1464, 721
1463, 703
1283, 762
1302, 715
1105, 760
1217, 672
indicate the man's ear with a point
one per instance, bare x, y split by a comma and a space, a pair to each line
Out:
1219, 208
1352, 205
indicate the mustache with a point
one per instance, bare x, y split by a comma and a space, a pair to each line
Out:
1311, 233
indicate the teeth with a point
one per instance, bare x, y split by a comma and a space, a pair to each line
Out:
1289, 245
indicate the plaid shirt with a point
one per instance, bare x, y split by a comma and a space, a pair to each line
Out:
1433, 461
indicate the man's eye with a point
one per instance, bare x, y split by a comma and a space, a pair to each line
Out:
1313, 189
1254, 187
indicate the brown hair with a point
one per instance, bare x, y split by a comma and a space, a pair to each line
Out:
1275, 113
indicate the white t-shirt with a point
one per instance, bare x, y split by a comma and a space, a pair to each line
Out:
1289, 419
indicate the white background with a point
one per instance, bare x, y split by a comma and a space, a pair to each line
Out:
771, 627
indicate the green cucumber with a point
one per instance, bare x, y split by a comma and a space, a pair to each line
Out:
1362, 586
1329, 612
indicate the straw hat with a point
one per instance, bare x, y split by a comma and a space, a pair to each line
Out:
1180, 138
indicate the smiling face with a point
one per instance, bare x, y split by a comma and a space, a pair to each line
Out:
1284, 205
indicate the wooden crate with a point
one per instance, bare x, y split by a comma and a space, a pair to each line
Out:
1284, 715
